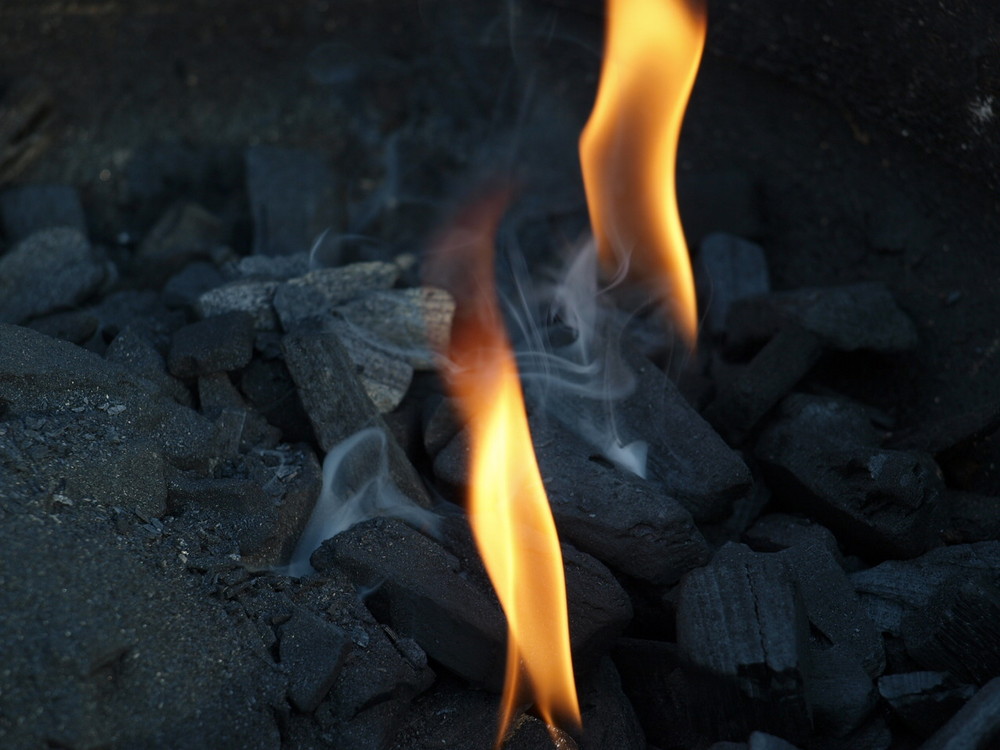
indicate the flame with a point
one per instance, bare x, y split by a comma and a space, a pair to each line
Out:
508, 509
628, 149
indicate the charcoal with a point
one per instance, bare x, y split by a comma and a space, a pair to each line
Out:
629, 524
958, 631
745, 399
342, 284
74, 326
293, 199
923, 701
874, 734
46, 271
840, 691
276, 267
742, 636
142, 311
845, 318
894, 587
952, 433
777, 531
298, 306
27, 209
724, 745
976, 726
728, 268
217, 396
384, 376
134, 351
764, 741
244, 295
821, 457
27, 120
832, 606
313, 651
608, 718
440, 423
418, 587
185, 287
645, 667
217, 344
337, 404
185, 233
269, 389
971, 517
39, 374
726, 201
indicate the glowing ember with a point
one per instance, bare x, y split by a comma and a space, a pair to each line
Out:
508, 508
628, 149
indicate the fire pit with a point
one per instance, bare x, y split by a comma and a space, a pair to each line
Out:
235, 429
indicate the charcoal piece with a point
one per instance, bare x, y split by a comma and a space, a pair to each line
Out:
608, 717
186, 232
950, 435
133, 350
313, 652
724, 745
971, 517
337, 404
958, 631
728, 268
344, 283
777, 531
725, 201
217, 395
874, 734
742, 636
418, 587
440, 423
976, 726
923, 701
74, 326
245, 295
275, 267
892, 588
385, 376
185, 287
631, 525
293, 199
298, 306
645, 668
744, 400
840, 690
845, 318
270, 389
832, 606
27, 209
49, 270
142, 311
821, 457
764, 741
217, 344
413, 324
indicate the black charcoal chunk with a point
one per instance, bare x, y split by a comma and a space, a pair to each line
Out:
46, 271
313, 651
742, 635
133, 350
874, 734
840, 691
821, 457
142, 311
185, 287
923, 701
337, 404
269, 388
293, 199
754, 390
419, 588
75, 326
958, 631
725, 201
608, 717
728, 746
976, 726
728, 268
244, 295
629, 524
217, 396
777, 531
185, 233
217, 344
896, 586
27, 209
845, 318
971, 517
765, 741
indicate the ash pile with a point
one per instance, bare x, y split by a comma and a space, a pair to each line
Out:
756, 560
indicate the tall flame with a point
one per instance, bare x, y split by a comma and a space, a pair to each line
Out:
508, 509
628, 149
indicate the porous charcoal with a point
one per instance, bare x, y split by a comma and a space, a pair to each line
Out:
131, 349
216, 344
764, 741
821, 457
976, 726
27, 209
923, 701
313, 651
46, 271
742, 636
840, 691
608, 718
245, 295
293, 198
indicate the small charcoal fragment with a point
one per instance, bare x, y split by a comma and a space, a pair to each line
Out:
313, 651
923, 701
821, 457
840, 691
133, 350
293, 199
26, 209
976, 726
217, 344
728, 268
46, 271
742, 636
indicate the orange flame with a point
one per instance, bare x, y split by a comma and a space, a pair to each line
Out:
508, 509
628, 149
